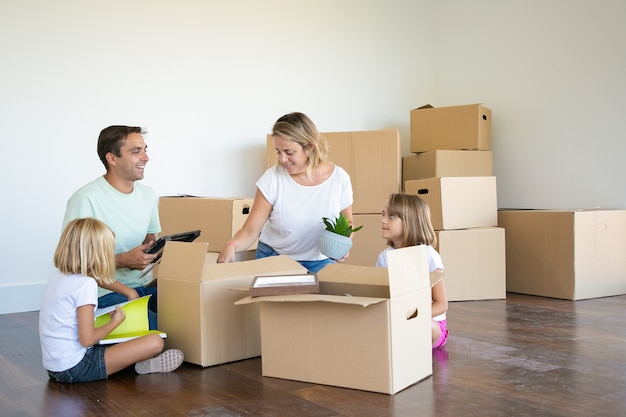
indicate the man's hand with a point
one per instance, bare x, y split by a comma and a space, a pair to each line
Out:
135, 258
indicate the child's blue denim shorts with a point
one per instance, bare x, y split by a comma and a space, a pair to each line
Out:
91, 368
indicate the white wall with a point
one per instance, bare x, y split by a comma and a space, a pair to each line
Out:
554, 74
207, 79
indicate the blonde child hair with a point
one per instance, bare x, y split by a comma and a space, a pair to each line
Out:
87, 247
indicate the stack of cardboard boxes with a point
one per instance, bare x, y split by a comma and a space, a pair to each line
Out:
451, 169
373, 161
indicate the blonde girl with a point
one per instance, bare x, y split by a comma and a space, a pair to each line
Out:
406, 222
84, 258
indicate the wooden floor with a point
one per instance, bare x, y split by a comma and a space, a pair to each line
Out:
524, 356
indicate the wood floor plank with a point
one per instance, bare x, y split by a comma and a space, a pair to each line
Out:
523, 356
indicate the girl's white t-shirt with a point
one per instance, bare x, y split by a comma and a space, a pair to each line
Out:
58, 319
434, 263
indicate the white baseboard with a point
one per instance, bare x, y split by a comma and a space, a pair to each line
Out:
21, 298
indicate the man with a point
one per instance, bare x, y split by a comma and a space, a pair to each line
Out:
129, 208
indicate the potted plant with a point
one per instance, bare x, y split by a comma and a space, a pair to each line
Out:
335, 241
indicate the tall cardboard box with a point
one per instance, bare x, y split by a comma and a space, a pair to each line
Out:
217, 218
446, 163
458, 202
368, 329
367, 242
455, 127
569, 254
196, 302
474, 262
373, 160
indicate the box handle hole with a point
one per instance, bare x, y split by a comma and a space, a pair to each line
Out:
411, 314
246, 210
422, 191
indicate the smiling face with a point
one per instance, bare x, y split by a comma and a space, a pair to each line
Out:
291, 155
130, 165
392, 229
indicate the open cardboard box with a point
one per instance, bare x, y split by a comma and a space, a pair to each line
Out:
368, 329
196, 302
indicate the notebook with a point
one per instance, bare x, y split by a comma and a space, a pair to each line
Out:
135, 325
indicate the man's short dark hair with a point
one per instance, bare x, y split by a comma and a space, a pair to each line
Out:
111, 140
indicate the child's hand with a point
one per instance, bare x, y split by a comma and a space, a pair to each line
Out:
117, 315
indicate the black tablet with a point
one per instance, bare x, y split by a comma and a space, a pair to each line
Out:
178, 237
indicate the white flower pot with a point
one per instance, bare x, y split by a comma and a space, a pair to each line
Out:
333, 245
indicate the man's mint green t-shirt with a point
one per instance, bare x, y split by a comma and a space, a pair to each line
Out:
130, 216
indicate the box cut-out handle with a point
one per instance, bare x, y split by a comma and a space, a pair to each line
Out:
411, 314
422, 191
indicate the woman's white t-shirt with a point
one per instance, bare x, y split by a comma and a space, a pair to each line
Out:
295, 223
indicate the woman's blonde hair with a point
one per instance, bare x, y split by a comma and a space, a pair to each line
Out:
298, 128
415, 215
87, 247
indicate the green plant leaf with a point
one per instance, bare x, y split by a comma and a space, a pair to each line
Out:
340, 225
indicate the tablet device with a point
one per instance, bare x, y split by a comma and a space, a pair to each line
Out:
178, 237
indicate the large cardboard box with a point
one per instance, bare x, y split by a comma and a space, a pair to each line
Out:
196, 302
474, 263
444, 163
217, 218
373, 160
368, 329
367, 242
458, 202
455, 127
569, 254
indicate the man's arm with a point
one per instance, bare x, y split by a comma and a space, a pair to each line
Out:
136, 258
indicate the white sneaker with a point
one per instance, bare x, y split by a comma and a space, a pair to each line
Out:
164, 362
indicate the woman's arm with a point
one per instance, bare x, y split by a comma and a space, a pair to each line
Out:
249, 232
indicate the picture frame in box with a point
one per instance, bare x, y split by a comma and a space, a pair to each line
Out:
284, 284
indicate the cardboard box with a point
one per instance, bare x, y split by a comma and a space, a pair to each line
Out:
217, 218
567, 254
367, 242
458, 202
442, 163
474, 262
377, 339
455, 128
196, 302
373, 160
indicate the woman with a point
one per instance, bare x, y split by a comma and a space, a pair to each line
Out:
293, 196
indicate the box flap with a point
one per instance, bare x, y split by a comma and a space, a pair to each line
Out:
183, 260
190, 262
408, 270
281, 264
294, 298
